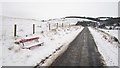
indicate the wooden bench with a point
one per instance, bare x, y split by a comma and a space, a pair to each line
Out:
29, 43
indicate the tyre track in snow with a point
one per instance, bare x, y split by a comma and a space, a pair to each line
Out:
81, 52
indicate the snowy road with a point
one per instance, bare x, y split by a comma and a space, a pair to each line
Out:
81, 52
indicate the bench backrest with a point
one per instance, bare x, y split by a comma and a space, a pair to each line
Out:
27, 40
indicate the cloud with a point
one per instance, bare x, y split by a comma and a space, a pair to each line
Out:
46, 10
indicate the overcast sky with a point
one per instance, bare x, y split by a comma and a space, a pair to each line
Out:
46, 10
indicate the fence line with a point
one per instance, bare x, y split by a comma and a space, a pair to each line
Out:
50, 26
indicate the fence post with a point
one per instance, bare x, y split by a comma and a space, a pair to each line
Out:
49, 26
57, 25
15, 28
33, 28
62, 24
69, 25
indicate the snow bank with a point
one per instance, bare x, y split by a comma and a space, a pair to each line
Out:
108, 50
111, 32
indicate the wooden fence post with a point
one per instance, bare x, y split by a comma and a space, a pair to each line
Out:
49, 26
33, 28
57, 25
15, 28
62, 24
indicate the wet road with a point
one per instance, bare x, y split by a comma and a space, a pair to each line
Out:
81, 52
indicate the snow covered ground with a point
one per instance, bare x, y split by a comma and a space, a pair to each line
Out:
0, 41
109, 50
111, 32
14, 55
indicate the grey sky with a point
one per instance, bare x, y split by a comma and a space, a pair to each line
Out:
46, 10
119, 8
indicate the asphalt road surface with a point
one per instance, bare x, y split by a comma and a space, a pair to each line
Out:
81, 52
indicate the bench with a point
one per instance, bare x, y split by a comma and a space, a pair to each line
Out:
29, 43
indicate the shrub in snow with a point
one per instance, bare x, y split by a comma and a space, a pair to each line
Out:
15, 48
26, 35
115, 39
42, 32
54, 30
11, 47
52, 39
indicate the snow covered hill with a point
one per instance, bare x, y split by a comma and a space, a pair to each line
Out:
14, 55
